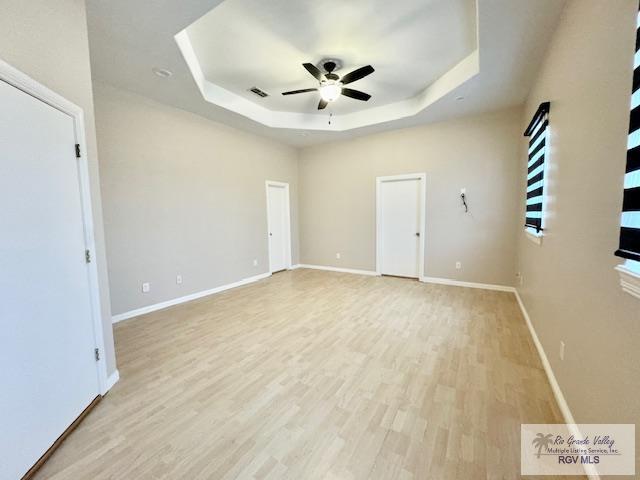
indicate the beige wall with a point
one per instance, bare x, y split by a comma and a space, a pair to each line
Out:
48, 41
182, 195
337, 204
570, 288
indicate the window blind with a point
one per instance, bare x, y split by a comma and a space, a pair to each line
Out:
630, 222
537, 133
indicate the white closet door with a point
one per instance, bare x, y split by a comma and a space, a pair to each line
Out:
48, 374
400, 229
277, 228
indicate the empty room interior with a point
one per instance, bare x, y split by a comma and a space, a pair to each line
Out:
340, 240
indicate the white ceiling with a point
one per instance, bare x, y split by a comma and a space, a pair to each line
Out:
410, 43
129, 38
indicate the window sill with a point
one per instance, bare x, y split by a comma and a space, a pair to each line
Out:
629, 281
533, 236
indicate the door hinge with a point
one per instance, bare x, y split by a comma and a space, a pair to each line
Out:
87, 256
96, 353
77, 150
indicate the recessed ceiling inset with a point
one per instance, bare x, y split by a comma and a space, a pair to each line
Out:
421, 49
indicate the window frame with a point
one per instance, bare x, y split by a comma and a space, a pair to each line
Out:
534, 233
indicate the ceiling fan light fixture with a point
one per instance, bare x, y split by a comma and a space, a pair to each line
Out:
332, 86
330, 90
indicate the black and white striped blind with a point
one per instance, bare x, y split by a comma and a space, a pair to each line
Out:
630, 222
537, 133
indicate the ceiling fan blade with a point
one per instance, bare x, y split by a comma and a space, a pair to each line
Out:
357, 74
357, 94
313, 70
322, 105
293, 92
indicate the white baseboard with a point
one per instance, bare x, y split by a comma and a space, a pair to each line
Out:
443, 281
457, 283
336, 269
589, 470
187, 298
111, 381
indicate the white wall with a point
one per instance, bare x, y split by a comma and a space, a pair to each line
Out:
182, 195
48, 41
337, 199
571, 290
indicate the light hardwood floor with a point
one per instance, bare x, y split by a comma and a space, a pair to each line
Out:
312, 374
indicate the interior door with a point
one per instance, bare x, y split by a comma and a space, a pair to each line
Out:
48, 373
277, 227
400, 227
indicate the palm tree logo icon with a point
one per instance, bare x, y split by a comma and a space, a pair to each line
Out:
542, 441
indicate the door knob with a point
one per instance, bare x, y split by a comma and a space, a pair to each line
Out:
417, 234
270, 234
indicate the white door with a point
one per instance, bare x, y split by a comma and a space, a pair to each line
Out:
278, 226
48, 373
399, 231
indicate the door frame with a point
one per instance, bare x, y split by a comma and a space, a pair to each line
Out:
28, 85
287, 223
422, 178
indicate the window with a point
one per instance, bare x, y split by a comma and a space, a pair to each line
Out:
538, 141
630, 221
633, 266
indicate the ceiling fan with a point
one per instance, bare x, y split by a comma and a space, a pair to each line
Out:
331, 85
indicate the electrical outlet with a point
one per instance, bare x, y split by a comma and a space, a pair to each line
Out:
146, 287
458, 265
520, 278
255, 263
561, 350
338, 256
179, 279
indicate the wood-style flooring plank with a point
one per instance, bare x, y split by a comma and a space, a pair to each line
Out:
317, 375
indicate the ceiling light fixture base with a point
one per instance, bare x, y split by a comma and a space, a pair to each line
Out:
330, 65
